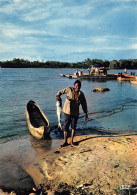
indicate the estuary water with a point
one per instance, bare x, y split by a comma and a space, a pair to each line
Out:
115, 110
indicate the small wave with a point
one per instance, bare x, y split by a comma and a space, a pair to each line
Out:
108, 112
102, 113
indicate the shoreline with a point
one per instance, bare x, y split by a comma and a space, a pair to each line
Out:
19, 163
99, 163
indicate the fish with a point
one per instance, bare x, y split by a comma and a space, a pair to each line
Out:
59, 111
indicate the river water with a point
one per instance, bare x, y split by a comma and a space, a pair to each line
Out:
115, 110
21, 154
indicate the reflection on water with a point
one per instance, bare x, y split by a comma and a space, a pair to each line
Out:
41, 145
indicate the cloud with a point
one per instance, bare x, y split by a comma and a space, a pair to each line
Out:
12, 31
63, 29
134, 46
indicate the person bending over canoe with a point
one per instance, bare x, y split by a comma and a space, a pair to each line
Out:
74, 98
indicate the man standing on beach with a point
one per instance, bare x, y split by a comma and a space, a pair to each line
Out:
74, 98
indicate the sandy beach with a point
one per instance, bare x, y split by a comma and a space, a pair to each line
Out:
99, 164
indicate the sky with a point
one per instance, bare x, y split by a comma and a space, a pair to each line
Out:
68, 30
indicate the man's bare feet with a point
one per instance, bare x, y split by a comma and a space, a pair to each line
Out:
64, 144
72, 144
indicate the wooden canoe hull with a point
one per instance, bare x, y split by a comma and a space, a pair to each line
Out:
38, 124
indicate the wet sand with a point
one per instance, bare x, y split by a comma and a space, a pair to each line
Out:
19, 163
100, 163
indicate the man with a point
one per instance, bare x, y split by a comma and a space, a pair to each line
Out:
74, 98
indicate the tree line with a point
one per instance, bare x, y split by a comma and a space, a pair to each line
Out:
115, 64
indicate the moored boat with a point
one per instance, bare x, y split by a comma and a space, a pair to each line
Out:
92, 76
125, 77
38, 123
95, 72
133, 82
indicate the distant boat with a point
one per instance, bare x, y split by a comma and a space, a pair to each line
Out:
125, 77
38, 123
134, 81
81, 75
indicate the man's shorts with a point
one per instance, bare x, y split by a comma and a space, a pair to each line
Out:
69, 119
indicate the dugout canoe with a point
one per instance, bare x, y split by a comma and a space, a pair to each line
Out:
38, 124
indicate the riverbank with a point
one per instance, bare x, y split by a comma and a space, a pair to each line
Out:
99, 164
